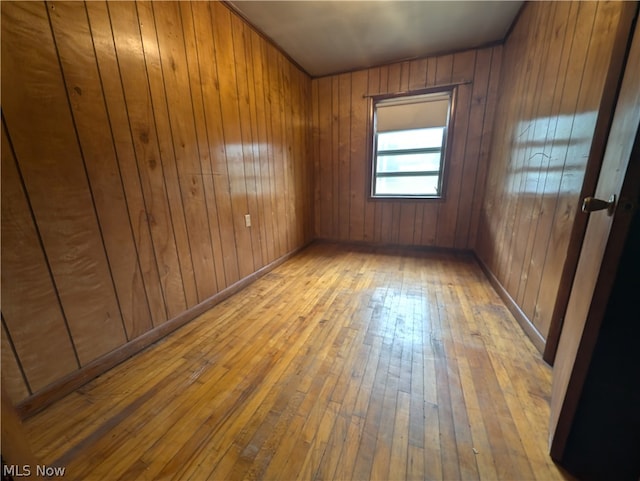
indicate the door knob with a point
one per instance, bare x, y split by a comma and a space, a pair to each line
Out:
591, 204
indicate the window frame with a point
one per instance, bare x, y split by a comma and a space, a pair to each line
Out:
446, 145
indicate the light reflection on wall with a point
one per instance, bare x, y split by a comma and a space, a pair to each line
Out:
254, 164
550, 154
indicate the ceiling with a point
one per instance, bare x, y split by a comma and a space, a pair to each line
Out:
331, 36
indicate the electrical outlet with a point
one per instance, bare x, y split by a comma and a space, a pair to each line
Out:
247, 220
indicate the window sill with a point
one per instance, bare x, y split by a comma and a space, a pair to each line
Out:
410, 198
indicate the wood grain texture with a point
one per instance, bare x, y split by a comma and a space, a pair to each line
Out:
600, 138
112, 87
73, 39
389, 364
341, 122
13, 379
44, 139
599, 260
31, 308
553, 103
16, 452
135, 143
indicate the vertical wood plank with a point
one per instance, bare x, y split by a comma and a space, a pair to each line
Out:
277, 153
537, 171
555, 66
297, 146
324, 212
524, 162
74, 43
487, 131
12, 378
463, 65
344, 155
270, 100
472, 157
547, 202
207, 59
232, 135
140, 117
520, 77
112, 90
287, 136
318, 193
406, 223
358, 144
336, 103
55, 179
304, 157
169, 145
31, 309
249, 160
261, 92
418, 74
370, 214
203, 146
253, 87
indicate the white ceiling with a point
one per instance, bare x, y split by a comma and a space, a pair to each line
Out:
331, 36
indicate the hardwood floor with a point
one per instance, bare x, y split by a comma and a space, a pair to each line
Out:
343, 363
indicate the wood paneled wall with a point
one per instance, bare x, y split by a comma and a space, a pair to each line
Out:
551, 122
135, 137
341, 120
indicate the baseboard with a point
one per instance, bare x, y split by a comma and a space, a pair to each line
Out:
66, 385
524, 322
386, 246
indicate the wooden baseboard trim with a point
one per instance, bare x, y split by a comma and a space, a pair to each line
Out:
384, 246
524, 322
60, 388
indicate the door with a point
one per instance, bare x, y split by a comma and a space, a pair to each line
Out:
605, 237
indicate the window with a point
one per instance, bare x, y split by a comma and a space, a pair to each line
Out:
409, 140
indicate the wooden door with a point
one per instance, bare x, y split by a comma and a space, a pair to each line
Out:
600, 255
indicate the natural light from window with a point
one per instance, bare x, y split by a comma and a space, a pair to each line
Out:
409, 145
409, 162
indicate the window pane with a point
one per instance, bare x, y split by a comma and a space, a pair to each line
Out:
409, 162
410, 139
419, 185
